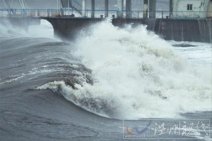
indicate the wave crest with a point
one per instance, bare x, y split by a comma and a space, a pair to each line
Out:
136, 74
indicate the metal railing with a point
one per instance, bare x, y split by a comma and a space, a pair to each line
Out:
101, 13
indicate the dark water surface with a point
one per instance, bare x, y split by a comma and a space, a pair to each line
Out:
30, 114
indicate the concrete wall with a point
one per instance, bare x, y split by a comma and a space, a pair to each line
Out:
185, 30
169, 29
67, 28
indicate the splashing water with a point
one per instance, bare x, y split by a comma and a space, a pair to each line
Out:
136, 75
44, 30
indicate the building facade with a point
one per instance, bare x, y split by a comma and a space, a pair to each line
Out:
209, 14
191, 8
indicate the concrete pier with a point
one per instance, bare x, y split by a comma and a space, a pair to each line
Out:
169, 29
184, 30
67, 28
199, 30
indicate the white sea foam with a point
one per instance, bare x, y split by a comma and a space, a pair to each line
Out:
198, 53
45, 30
136, 75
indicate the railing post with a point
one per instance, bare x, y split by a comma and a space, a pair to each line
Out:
162, 14
38, 13
48, 15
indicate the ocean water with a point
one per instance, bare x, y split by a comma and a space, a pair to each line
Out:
83, 89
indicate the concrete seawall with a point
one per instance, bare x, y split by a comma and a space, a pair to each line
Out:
67, 28
170, 29
199, 30
184, 30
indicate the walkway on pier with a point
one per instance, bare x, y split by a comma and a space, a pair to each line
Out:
81, 8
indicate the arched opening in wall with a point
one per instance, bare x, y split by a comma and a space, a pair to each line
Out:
44, 29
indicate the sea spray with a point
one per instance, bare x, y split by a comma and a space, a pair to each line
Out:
136, 75
42, 30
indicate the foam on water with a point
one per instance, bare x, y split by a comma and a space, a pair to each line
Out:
45, 30
198, 53
136, 75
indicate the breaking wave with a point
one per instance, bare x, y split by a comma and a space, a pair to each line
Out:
135, 74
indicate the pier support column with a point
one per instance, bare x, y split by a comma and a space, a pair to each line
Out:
170, 8
70, 3
128, 8
106, 7
152, 9
120, 4
92, 8
145, 8
83, 8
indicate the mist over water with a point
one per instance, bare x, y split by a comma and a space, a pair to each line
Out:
44, 30
136, 75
